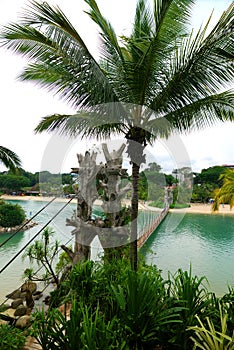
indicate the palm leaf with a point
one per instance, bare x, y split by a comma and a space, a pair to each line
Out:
9, 158
59, 59
199, 67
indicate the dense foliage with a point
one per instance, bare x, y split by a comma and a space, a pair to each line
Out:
206, 182
130, 310
11, 214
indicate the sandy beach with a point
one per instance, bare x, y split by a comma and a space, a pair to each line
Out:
205, 209
194, 207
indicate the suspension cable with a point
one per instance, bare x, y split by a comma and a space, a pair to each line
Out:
20, 228
21, 250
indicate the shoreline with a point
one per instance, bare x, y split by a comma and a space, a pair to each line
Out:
35, 198
196, 208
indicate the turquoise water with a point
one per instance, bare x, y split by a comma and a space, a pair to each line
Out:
205, 241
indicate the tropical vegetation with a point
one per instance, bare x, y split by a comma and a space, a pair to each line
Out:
225, 194
9, 158
160, 79
96, 307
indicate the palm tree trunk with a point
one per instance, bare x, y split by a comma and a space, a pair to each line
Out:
134, 215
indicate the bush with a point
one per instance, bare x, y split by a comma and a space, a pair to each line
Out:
11, 215
11, 338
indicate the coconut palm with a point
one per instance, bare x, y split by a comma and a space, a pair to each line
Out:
158, 80
9, 158
225, 194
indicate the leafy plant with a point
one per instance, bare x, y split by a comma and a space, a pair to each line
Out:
190, 293
83, 329
11, 338
143, 309
208, 338
44, 254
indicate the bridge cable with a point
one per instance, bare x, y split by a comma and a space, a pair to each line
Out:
21, 250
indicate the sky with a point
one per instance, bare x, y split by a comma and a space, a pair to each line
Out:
23, 104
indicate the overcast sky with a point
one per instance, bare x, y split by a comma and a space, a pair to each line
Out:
23, 105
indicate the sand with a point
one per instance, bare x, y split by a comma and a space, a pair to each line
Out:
205, 209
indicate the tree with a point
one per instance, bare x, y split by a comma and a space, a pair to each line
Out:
44, 253
9, 158
13, 182
159, 79
210, 175
226, 193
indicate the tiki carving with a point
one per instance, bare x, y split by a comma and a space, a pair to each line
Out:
111, 231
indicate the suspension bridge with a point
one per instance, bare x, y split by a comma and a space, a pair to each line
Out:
149, 219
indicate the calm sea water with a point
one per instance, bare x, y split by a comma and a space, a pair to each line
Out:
205, 241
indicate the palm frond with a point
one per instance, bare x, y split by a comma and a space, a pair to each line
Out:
107, 32
99, 123
201, 66
58, 58
202, 113
9, 158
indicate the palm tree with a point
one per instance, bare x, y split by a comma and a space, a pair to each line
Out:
225, 194
9, 158
158, 80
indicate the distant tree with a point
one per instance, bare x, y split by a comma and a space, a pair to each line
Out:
13, 183
170, 179
143, 186
154, 167
210, 175
202, 192
226, 193
27, 174
67, 179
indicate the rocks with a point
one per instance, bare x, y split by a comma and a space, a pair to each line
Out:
31, 286
21, 310
23, 300
19, 227
23, 321
29, 299
15, 303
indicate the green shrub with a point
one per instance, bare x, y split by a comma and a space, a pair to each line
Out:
143, 308
11, 215
11, 338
